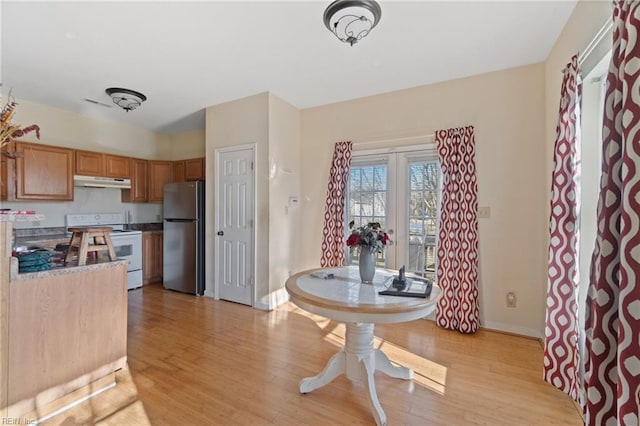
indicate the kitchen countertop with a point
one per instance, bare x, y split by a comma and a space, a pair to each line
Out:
35, 236
72, 268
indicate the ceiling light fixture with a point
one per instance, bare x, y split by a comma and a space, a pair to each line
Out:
351, 20
125, 98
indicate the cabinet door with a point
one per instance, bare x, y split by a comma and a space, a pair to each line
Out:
151, 257
194, 169
157, 237
139, 183
44, 172
160, 173
178, 171
117, 166
4, 181
89, 163
147, 257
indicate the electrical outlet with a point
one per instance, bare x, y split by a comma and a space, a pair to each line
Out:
511, 300
484, 212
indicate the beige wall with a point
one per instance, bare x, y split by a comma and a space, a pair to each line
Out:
273, 126
507, 110
284, 183
241, 122
183, 146
72, 130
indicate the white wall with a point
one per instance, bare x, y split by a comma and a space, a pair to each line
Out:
507, 110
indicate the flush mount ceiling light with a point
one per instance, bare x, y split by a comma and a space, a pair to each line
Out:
125, 98
351, 20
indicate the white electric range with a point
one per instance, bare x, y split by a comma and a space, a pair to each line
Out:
127, 244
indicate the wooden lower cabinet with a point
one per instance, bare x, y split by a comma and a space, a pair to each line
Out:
152, 256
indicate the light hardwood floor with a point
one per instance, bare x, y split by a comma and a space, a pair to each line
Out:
197, 361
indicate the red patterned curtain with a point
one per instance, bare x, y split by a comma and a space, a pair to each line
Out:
612, 367
561, 352
457, 271
333, 230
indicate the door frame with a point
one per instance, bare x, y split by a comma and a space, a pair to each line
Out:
217, 152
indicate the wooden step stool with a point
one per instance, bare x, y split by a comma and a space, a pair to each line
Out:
81, 243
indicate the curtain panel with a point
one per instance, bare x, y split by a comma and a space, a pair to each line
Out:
457, 253
612, 367
561, 351
333, 229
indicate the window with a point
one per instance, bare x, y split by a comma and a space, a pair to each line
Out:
401, 191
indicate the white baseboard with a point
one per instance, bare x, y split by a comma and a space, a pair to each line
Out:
272, 300
209, 293
515, 329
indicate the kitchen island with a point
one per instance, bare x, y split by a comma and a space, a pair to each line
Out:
61, 330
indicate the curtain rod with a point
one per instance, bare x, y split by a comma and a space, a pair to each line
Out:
429, 138
608, 25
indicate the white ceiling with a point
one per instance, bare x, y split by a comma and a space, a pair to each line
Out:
186, 56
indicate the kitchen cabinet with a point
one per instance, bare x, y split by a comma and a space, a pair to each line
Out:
160, 173
178, 171
188, 170
152, 261
3, 178
139, 183
43, 172
194, 169
90, 163
117, 166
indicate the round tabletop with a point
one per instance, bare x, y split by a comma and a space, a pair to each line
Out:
344, 298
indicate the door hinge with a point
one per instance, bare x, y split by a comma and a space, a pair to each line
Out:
250, 223
252, 166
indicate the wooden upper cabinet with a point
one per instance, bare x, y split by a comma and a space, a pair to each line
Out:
139, 183
178, 171
43, 172
194, 169
160, 173
89, 163
117, 166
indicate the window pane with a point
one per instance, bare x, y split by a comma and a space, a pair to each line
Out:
367, 201
423, 209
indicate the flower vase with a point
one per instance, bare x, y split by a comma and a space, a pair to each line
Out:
367, 264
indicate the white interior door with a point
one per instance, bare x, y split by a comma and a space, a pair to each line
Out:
235, 231
400, 190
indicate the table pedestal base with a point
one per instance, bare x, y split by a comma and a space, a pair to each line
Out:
358, 360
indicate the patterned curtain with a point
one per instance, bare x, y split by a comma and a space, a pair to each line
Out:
612, 368
561, 352
333, 230
457, 257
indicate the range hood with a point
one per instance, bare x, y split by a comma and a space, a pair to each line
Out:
101, 182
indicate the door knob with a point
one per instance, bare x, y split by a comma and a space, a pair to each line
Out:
221, 233
390, 232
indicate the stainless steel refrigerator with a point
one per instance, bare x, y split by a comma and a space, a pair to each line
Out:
183, 248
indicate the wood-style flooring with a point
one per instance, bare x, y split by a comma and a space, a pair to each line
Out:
197, 361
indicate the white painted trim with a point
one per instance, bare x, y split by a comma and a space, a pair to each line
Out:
253, 148
515, 329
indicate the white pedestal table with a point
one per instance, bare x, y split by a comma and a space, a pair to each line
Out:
344, 298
